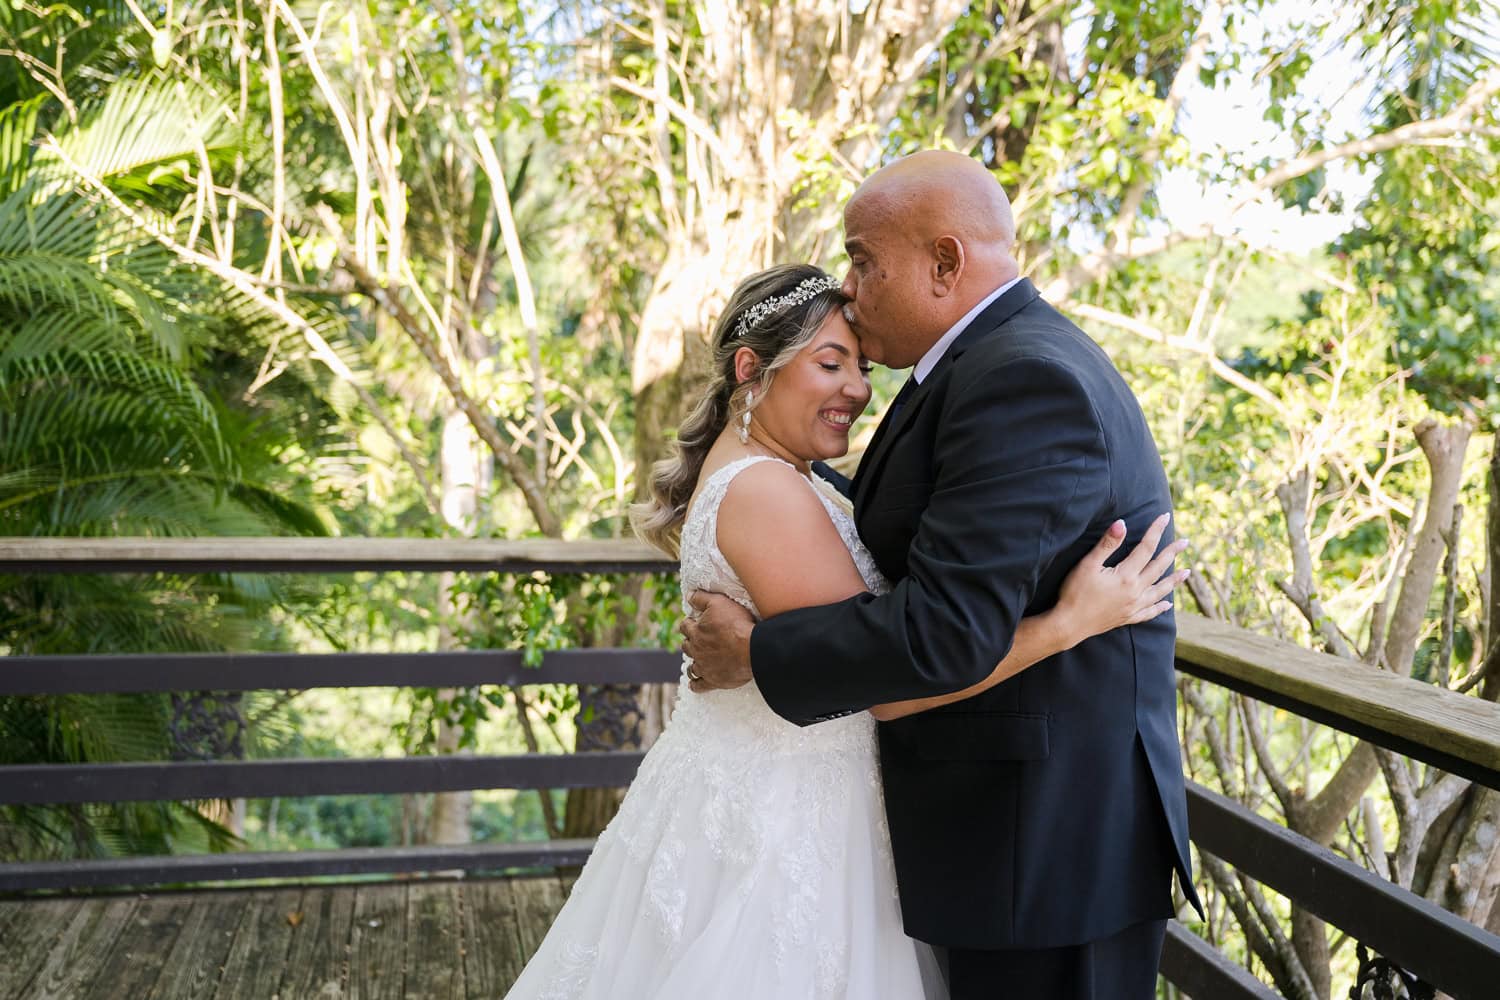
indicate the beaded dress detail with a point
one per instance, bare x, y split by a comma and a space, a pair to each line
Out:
750, 858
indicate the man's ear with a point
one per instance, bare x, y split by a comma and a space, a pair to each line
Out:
746, 364
947, 265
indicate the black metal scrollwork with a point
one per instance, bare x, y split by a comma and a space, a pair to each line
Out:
207, 725
609, 717
1381, 979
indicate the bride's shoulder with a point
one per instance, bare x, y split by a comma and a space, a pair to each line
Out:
770, 496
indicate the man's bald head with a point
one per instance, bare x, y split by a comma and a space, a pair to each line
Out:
929, 237
938, 191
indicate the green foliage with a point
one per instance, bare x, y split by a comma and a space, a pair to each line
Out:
1434, 262
1426, 244
536, 613
124, 410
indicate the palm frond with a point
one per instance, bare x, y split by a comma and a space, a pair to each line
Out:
18, 132
165, 386
137, 126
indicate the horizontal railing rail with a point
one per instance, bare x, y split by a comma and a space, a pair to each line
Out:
120, 674
327, 555
245, 866
183, 781
1199, 969
1452, 732
1445, 950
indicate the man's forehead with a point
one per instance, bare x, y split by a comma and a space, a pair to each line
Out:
867, 213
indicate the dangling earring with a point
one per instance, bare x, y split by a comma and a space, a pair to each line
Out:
743, 430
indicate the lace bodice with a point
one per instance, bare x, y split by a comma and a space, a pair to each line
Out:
743, 711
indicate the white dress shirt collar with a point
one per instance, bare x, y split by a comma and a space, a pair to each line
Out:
936, 351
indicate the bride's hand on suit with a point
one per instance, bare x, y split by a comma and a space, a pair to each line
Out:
1096, 598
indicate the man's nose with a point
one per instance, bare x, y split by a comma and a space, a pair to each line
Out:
849, 285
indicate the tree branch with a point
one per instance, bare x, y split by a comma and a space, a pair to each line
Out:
1187, 73
483, 424
700, 128
1205, 351
1459, 121
1294, 495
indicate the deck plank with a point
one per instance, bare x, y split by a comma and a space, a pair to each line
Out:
29, 940
434, 942
319, 955
537, 902
140, 951
492, 956
376, 942
83, 948
196, 962
262, 939
10, 911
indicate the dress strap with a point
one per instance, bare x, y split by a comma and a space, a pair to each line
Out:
718, 482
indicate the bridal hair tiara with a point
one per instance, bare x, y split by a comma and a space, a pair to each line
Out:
807, 289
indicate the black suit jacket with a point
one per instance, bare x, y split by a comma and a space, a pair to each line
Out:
1049, 810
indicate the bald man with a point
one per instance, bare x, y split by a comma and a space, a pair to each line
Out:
1036, 826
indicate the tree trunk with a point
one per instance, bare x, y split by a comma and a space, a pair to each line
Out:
466, 469
1310, 939
1490, 690
1444, 446
1464, 868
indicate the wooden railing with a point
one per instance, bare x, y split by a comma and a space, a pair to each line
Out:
1450, 731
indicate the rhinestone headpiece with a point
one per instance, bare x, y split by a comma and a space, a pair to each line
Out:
807, 289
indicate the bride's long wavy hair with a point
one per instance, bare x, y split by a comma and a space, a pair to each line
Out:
776, 340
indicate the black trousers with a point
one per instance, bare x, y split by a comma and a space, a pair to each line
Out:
1120, 967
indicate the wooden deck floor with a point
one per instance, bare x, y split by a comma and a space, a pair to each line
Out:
441, 940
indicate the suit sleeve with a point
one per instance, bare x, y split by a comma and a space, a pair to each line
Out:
1020, 472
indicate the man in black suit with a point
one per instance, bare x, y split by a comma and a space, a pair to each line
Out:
1035, 826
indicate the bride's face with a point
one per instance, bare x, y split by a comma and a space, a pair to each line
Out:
813, 401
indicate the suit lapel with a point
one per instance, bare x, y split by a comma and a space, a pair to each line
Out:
995, 315
889, 429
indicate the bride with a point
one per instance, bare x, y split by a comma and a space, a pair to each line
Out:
750, 859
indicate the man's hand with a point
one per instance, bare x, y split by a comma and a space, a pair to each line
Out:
718, 641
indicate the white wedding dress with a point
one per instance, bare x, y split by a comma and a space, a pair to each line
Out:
750, 859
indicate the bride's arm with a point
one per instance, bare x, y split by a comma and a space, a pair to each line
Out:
1094, 599
781, 543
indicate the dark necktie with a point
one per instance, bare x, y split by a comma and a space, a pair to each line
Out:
901, 397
